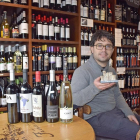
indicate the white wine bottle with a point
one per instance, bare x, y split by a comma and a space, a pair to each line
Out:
65, 99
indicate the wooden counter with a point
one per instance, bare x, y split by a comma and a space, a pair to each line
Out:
79, 129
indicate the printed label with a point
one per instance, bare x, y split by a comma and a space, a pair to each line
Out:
62, 32
37, 105
39, 29
45, 30
25, 62
52, 112
35, 1
52, 59
46, 60
56, 29
74, 2
10, 66
46, 2
97, 13
68, 1
51, 30
52, 1
15, 33
58, 62
11, 98
85, 14
3, 66
18, 60
3, 101
75, 59
67, 32
24, 28
25, 103
58, 1
66, 113
63, 3
69, 59
5, 32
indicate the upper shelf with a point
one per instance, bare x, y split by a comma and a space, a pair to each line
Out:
104, 22
13, 40
57, 12
129, 46
13, 5
8, 74
126, 23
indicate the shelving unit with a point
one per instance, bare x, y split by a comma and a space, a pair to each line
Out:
2, 109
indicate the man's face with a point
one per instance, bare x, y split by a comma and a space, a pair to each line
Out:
104, 54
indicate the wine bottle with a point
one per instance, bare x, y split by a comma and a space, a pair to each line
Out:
34, 59
65, 100
58, 4
58, 60
67, 30
35, 3
33, 27
56, 29
24, 2
64, 5
3, 64
12, 98
38, 100
51, 29
5, 30
46, 59
46, 85
39, 28
70, 58
45, 29
25, 100
52, 62
16, 1
46, 3
40, 60
62, 30
74, 60
68, 5
65, 61
18, 59
25, 62
74, 6
52, 4
52, 98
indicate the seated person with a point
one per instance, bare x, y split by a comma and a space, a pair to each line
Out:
110, 115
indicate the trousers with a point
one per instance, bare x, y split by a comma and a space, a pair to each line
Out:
114, 124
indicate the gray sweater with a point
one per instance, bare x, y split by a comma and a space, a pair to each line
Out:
85, 92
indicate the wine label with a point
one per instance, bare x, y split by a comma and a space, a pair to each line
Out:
15, 33
46, 2
74, 59
102, 14
62, 35
56, 29
11, 98
39, 29
69, 59
24, 28
23, 2
67, 32
3, 101
66, 113
52, 111
10, 66
97, 13
52, 59
68, 1
63, 3
124, 41
17, 59
3, 66
82, 36
5, 32
25, 103
37, 105
58, 1
65, 62
85, 36
74, 2
58, 62
90, 36
52, 1
85, 13
25, 62
35, 1
46, 60
51, 30
81, 8
45, 30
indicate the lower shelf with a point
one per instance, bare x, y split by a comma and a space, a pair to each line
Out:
129, 89
3, 109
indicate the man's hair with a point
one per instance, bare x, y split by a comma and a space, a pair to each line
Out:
99, 35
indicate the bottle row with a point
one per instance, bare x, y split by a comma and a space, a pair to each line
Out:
96, 10
18, 28
50, 28
132, 99
26, 104
13, 58
131, 79
127, 58
64, 5
86, 33
84, 59
53, 58
23, 2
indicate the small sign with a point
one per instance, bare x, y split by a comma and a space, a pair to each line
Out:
121, 70
86, 22
85, 51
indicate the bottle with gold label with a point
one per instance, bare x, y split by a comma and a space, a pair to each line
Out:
74, 58
69, 58
5, 30
18, 60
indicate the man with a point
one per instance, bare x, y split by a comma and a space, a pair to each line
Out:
110, 115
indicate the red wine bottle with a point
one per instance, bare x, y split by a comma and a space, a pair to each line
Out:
45, 29
38, 100
39, 28
67, 30
51, 29
12, 98
58, 60
33, 27
52, 62
25, 99
56, 29
52, 98
62, 30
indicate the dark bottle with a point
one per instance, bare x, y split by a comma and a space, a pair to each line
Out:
91, 10
69, 58
39, 28
58, 60
46, 59
25, 62
34, 59
74, 6
51, 29
121, 58
33, 27
38, 100
47, 83
24, 26
124, 12
109, 16
90, 36
127, 36
25, 100
132, 99
118, 58
52, 98
56, 29
16, 1
46, 4
58, 4
125, 55
58, 84
52, 62
127, 58
65, 60
129, 79
68, 5
103, 12
52, 4
131, 37
40, 60
132, 15
82, 37
62, 30
85, 37
45, 29
64, 5
138, 101
74, 59
15, 29
24, 2
12, 98
131, 58
35, 3
124, 36
67, 30
96, 11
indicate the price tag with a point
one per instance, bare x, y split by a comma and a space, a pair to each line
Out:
86, 22
85, 50
121, 70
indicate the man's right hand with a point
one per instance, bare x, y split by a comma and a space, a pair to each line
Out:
102, 86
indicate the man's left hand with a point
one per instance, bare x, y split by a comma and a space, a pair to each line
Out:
133, 119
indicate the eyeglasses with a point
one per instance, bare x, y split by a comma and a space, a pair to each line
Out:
101, 46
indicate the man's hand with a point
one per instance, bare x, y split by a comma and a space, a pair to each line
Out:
102, 86
133, 119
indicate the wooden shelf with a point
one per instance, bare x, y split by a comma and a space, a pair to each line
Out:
55, 42
8, 74
126, 23
56, 72
13, 5
133, 68
129, 89
55, 11
136, 109
129, 46
3, 109
14, 40
104, 22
